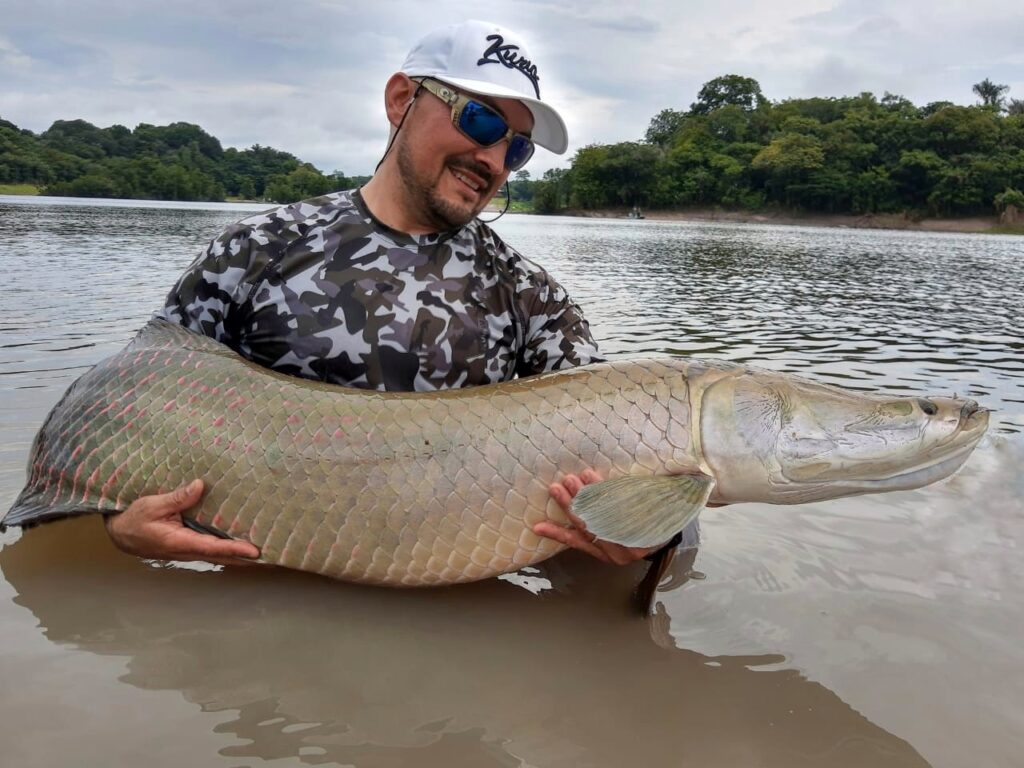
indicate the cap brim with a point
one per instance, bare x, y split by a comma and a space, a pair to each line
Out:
548, 127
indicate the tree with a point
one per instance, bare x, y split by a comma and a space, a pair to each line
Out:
961, 130
916, 174
664, 127
1009, 197
521, 189
551, 193
932, 107
787, 162
616, 174
302, 183
991, 95
728, 89
1015, 107
894, 103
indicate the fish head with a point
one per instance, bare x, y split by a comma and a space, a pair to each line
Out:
786, 439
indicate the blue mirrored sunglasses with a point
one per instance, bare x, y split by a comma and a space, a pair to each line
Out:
482, 124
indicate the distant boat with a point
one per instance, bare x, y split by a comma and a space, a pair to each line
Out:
635, 213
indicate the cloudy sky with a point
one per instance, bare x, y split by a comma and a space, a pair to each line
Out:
307, 76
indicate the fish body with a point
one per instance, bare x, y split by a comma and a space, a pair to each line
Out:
411, 489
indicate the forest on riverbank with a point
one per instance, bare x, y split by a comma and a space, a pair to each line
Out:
733, 149
179, 161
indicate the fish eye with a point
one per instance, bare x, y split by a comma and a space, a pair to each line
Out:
927, 406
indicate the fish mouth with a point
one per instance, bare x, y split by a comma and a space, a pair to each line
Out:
955, 450
934, 463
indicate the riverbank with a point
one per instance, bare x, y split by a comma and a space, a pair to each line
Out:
19, 189
977, 224
984, 224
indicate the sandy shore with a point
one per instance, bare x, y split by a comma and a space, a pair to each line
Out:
868, 221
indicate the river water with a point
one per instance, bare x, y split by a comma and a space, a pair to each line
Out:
872, 631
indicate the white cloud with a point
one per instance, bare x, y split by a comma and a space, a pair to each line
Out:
12, 59
307, 76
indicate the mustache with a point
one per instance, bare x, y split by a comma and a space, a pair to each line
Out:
477, 169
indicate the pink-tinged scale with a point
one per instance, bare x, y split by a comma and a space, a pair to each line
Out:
169, 406
74, 480
218, 440
181, 381
219, 421
113, 404
113, 478
90, 483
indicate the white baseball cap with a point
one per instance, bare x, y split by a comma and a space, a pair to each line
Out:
485, 59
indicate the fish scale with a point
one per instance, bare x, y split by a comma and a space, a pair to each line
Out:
391, 488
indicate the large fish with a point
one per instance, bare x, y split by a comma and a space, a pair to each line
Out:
437, 488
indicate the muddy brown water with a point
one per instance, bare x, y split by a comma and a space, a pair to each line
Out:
872, 631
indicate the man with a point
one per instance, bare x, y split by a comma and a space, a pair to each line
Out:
396, 286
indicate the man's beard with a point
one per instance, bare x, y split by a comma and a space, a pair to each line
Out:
440, 213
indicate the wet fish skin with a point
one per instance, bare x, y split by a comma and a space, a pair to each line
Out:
411, 489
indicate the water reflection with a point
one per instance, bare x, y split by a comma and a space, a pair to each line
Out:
480, 675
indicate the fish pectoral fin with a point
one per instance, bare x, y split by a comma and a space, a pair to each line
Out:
642, 511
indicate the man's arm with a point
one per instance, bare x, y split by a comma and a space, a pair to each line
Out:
152, 527
206, 300
558, 336
576, 536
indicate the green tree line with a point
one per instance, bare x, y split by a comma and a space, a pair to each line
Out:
734, 148
179, 161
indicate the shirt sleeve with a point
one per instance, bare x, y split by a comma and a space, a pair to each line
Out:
209, 296
557, 335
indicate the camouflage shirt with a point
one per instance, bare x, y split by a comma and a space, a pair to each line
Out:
321, 289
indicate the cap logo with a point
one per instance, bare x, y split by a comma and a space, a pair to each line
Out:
508, 56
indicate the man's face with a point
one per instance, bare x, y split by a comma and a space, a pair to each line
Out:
449, 178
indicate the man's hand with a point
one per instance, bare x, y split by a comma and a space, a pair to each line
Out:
151, 527
577, 536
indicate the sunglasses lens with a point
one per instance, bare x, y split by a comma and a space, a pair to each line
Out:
520, 150
481, 123
485, 126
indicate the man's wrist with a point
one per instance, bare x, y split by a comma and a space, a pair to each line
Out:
671, 544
